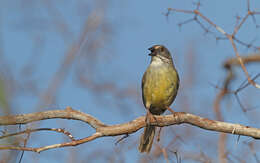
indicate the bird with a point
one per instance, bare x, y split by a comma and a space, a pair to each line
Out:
160, 84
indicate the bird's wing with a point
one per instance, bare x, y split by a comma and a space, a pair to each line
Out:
143, 79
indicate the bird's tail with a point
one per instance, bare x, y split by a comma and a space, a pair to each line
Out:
146, 140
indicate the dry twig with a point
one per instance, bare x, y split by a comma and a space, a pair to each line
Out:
230, 36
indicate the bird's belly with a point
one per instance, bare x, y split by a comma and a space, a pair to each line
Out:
160, 88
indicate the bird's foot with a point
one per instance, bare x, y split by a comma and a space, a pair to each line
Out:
168, 108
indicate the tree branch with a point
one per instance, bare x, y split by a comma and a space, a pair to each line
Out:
103, 130
231, 37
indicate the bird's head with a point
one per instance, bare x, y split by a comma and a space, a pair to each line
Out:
160, 52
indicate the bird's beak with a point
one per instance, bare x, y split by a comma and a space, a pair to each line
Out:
152, 51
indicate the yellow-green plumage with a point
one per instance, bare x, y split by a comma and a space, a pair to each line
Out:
160, 87
160, 84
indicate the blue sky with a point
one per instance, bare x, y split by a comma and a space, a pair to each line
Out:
136, 26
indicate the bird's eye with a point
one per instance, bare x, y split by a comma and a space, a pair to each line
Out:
161, 49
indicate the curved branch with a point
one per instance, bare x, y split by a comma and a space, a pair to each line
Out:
68, 113
103, 130
28, 131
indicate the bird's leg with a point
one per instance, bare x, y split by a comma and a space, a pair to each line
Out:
149, 117
168, 108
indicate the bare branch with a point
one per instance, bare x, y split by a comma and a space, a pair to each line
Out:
28, 131
68, 113
103, 130
254, 58
230, 37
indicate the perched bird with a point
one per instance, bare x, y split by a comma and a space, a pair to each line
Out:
160, 84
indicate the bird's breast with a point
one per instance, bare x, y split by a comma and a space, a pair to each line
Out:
159, 87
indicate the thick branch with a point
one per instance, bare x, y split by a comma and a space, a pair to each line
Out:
68, 113
125, 128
